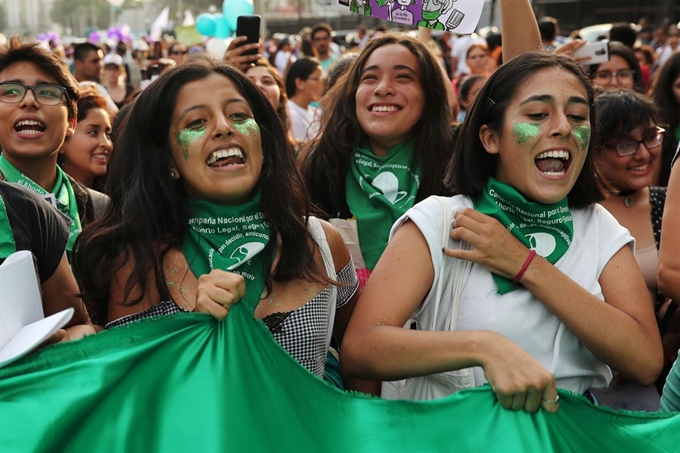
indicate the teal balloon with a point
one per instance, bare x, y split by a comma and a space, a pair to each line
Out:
222, 29
234, 8
206, 24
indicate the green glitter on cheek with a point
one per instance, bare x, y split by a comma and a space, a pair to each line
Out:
247, 127
582, 134
186, 138
523, 132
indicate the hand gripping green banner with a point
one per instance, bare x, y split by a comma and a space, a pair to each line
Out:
190, 383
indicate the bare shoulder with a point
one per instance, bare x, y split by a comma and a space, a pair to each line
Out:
337, 245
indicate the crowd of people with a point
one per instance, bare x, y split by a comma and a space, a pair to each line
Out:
412, 207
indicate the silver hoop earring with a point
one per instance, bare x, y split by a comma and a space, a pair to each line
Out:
172, 174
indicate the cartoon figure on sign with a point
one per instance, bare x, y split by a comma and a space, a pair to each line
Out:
434, 10
388, 184
401, 15
245, 252
354, 6
543, 243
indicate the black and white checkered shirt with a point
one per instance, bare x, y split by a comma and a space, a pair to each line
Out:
301, 332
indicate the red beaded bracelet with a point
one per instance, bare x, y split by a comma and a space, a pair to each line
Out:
525, 266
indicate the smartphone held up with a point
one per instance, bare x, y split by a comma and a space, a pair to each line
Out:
249, 26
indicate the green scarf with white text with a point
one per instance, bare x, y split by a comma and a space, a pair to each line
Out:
63, 192
230, 238
546, 228
379, 190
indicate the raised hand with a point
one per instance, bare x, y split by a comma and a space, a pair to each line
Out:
234, 53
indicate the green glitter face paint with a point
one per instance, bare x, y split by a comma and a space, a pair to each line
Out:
187, 137
523, 132
582, 134
247, 126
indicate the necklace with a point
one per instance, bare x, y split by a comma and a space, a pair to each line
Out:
628, 194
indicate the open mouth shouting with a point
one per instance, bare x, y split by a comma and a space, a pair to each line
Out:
553, 163
30, 127
226, 157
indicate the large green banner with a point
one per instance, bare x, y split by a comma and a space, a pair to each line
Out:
190, 383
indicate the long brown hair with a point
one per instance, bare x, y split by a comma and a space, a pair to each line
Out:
149, 213
326, 159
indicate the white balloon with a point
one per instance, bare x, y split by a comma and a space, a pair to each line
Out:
216, 47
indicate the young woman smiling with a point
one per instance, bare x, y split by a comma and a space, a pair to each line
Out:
85, 154
621, 71
542, 305
208, 210
386, 135
631, 142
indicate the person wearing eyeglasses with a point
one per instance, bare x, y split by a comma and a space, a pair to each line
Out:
37, 111
177, 52
621, 71
631, 142
38, 97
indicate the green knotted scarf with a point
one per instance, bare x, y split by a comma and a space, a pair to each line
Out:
7, 245
546, 228
63, 192
379, 190
230, 238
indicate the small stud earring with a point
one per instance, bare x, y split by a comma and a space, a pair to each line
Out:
172, 174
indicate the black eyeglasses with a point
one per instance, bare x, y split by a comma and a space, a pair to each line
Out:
178, 52
14, 93
653, 138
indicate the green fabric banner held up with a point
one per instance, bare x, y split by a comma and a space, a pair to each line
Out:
190, 383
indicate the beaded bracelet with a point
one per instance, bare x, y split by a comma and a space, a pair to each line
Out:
524, 268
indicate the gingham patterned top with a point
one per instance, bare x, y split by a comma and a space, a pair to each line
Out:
301, 332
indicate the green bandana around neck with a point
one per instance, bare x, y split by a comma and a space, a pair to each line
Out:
230, 238
63, 192
379, 190
546, 228
7, 245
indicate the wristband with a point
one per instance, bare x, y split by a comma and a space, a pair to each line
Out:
524, 268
